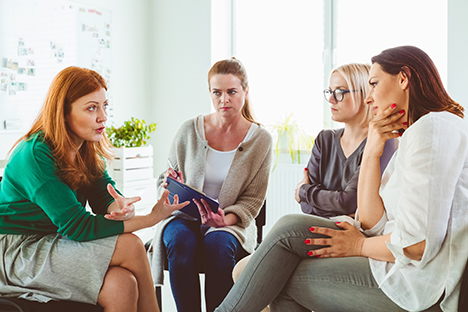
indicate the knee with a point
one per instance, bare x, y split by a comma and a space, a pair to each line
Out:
292, 221
117, 281
240, 266
220, 245
181, 249
132, 244
180, 236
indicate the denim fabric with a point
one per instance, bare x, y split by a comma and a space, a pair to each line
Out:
187, 251
281, 273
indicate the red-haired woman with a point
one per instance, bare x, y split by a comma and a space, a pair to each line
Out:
412, 253
51, 247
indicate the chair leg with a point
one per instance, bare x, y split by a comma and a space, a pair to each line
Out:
158, 297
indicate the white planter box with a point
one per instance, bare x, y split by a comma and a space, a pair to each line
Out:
146, 189
132, 170
132, 164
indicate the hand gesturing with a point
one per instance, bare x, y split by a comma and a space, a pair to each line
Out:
164, 208
124, 205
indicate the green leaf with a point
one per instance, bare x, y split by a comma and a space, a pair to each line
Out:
133, 133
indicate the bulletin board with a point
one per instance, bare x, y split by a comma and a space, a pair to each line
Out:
38, 38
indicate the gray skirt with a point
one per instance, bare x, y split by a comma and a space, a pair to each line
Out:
53, 267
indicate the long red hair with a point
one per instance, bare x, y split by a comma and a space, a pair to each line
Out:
68, 86
426, 91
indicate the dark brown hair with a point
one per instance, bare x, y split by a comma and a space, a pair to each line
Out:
426, 91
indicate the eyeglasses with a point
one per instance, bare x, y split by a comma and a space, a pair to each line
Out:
338, 94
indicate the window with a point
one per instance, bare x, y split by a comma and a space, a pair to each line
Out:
290, 47
281, 44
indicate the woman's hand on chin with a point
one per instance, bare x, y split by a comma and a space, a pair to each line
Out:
383, 127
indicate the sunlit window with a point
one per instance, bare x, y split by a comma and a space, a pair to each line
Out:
366, 27
289, 47
281, 44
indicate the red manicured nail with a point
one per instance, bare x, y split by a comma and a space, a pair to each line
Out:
405, 123
393, 105
400, 134
311, 229
338, 222
318, 256
305, 169
307, 241
402, 111
310, 253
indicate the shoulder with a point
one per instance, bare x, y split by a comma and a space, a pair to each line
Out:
263, 133
32, 148
188, 130
33, 160
439, 124
440, 134
261, 139
329, 134
190, 124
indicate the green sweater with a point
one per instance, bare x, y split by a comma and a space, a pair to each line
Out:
34, 200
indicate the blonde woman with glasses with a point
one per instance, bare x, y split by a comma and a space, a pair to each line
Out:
329, 186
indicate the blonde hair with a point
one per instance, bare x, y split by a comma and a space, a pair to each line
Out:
357, 78
68, 86
234, 67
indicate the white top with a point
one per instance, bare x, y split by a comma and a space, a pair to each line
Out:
218, 163
425, 192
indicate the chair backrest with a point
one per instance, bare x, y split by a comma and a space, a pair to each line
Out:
9, 305
463, 299
260, 222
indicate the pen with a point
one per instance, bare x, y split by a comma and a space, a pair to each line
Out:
172, 166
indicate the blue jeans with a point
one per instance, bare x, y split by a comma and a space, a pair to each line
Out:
280, 273
187, 251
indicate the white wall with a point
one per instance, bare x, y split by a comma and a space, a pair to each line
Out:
130, 59
130, 56
180, 38
161, 57
458, 52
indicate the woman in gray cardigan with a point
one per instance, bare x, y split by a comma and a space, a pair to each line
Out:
227, 155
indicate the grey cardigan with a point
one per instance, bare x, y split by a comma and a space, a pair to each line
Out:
242, 193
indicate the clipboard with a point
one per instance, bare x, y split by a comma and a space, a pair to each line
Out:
187, 193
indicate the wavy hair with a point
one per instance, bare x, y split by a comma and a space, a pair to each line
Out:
68, 86
235, 67
357, 78
426, 91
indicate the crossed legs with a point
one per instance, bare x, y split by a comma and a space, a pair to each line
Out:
281, 273
128, 286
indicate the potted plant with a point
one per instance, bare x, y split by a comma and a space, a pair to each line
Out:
133, 133
290, 140
133, 157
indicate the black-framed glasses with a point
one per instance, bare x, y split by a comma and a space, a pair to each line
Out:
338, 94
